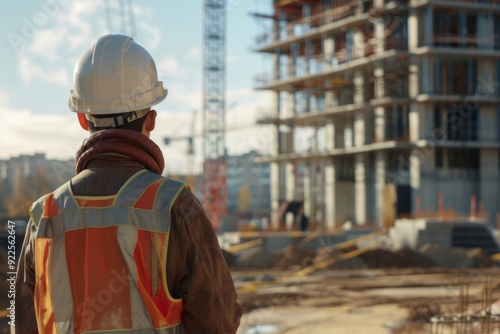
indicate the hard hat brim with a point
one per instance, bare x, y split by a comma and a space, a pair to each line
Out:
120, 105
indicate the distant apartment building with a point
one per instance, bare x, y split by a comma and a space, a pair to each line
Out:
383, 108
16, 169
248, 185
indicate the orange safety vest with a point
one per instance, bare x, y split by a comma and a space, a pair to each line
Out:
100, 262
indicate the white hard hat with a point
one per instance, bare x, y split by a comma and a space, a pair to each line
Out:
115, 76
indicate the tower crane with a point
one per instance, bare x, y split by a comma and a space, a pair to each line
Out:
214, 110
125, 15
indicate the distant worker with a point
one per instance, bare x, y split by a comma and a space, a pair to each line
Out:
119, 248
303, 220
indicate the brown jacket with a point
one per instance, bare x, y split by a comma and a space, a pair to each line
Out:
196, 270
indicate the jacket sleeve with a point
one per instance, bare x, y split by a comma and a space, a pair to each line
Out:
25, 285
204, 280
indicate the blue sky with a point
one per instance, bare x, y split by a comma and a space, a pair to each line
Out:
41, 40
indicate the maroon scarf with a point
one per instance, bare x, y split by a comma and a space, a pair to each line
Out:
131, 144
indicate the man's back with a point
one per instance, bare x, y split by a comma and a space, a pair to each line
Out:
187, 252
120, 248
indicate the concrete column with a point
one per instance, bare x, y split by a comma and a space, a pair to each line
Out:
359, 44
348, 133
276, 66
289, 29
359, 7
275, 167
275, 193
380, 173
329, 185
429, 181
330, 134
290, 104
413, 29
290, 181
329, 98
415, 128
290, 190
276, 31
416, 157
287, 137
319, 193
489, 184
307, 191
379, 35
291, 64
359, 129
413, 86
313, 190
359, 87
378, 73
379, 124
360, 189
378, 3
307, 56
328, 50
339, 134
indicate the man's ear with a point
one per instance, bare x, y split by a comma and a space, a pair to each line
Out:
83, 121
150, 123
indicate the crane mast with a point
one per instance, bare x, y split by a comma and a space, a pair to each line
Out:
214, 109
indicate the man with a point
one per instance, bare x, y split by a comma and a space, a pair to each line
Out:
120, 249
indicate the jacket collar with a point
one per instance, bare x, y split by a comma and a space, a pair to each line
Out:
120, 145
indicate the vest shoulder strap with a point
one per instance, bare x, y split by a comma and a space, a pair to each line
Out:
144, 190
149, 191
61, 197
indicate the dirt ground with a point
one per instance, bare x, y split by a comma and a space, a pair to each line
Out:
351, 301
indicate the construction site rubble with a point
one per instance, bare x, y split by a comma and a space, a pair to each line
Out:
455, 257
429, 255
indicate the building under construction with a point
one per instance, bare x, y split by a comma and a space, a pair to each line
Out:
383, 109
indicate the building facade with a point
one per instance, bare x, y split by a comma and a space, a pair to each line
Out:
383, 109
24, 166
25, 178
248, 185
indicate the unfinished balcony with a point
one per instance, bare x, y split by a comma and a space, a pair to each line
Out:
295, 21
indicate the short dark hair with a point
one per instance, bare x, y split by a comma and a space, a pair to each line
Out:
135, 125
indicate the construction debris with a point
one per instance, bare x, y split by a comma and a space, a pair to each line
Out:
454, 257
257, 257
429, 255
403, 258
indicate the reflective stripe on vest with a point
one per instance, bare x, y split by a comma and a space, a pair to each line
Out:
100, 262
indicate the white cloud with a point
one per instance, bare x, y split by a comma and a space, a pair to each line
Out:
170, 67
232, 58
30, 133
68, 28
59, 136
149, 35
46, 44
4, 99
185, 96
243, 133
30, 71
194, 53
